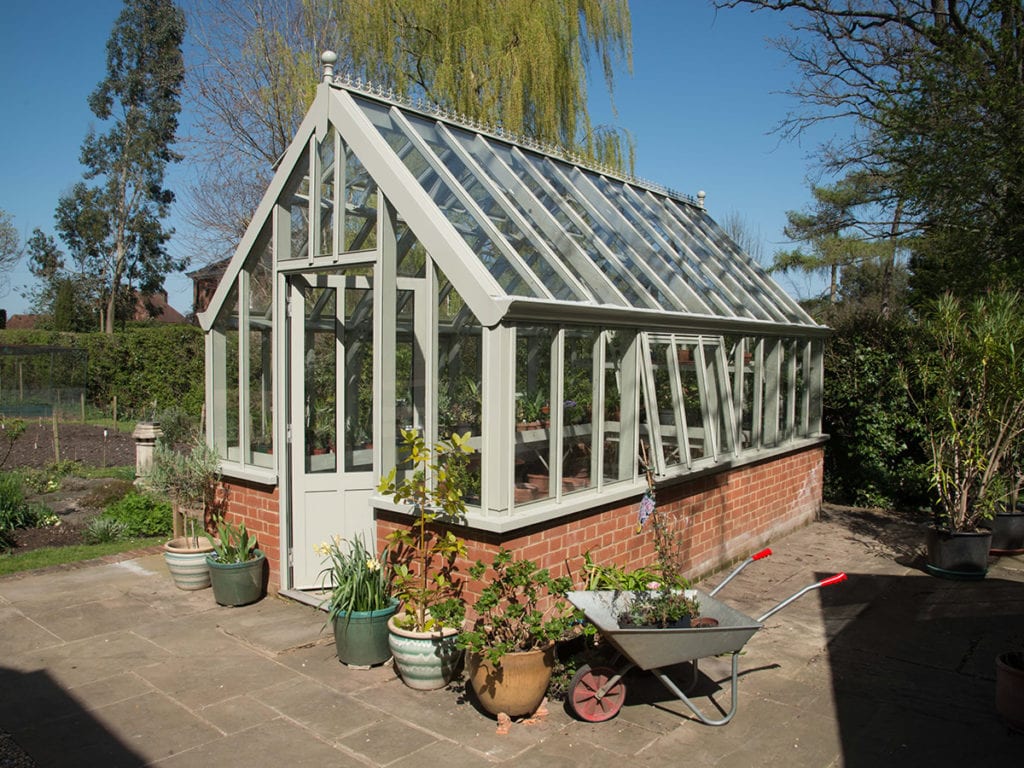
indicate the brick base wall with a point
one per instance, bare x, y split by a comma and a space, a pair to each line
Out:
720, 518
259, 507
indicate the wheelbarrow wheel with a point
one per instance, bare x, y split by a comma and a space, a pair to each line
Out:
583, 694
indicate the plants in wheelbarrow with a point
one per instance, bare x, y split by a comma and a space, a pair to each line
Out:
660, 607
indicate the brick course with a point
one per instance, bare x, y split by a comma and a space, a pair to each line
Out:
721, 518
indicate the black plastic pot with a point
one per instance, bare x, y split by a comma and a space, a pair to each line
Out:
958, 554
1008, 533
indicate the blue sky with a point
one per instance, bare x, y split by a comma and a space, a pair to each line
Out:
704, 96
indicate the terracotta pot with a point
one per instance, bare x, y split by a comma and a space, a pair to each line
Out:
525, 492
1010, 688
516, 686
540, 482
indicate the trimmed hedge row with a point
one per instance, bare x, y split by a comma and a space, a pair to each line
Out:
148, 369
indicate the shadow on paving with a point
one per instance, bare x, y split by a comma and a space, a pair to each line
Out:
913, 674
45, 721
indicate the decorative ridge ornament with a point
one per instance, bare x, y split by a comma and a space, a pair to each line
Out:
420, 105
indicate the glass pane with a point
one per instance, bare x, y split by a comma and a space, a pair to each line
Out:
686, 356
295, 199
666, 396
533, 409
719, 395
631, 263
360, 229
225, 381
358, 365
412, 256
577, 411
611, 269
460, 378
495, 211
261, 368
327, 183
408, 378
618, 378
464, 223
321, 367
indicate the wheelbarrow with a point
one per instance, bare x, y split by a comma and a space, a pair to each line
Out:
597, 694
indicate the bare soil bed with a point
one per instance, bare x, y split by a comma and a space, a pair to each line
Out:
77, 500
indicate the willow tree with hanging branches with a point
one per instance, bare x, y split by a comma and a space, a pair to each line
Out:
522, 64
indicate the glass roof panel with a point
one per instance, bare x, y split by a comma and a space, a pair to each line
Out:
634, 264
731, 273
495, 211
489, 253
757, 285
611, 268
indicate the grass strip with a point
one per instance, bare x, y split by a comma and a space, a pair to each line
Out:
44, 557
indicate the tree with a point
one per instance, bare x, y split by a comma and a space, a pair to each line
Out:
842, 238
934, 92
744, 234
115, 227
10, 248
65, 298
520, 63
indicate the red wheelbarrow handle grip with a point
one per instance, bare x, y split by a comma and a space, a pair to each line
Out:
839, 577
762, 554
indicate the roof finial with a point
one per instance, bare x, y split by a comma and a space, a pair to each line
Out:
700, 198
328, 59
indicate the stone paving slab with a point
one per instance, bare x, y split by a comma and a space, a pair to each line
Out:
893, 667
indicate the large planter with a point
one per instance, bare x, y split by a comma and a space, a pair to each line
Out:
361, 637
1008, 533
958, 554
515, 687
425, 660
1010, 688
237, 583
187, 563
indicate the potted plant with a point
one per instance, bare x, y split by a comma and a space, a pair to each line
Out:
188, 480
659, 607
423, 636
360, 601
510, 648
967, 384
1008, 523
236, 565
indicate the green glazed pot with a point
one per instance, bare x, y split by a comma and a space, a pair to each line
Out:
237, 583
361, 637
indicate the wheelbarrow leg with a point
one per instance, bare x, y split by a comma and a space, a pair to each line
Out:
672, 687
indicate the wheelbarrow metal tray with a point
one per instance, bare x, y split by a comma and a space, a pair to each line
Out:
654, 648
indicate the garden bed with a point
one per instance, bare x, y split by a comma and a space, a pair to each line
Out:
74, 500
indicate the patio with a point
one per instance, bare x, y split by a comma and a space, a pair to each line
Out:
109, 664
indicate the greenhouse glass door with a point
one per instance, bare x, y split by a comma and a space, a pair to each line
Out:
330, 413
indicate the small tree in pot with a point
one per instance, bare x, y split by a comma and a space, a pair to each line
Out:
422, 637
967, 382
189, 481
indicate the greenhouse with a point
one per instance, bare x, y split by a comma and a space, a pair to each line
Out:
409, 270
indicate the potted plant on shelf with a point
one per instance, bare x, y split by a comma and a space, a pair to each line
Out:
360, 601
188, 480
236, 565
423, 636
510, 648
967, 383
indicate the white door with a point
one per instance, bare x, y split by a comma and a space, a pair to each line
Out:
330, 338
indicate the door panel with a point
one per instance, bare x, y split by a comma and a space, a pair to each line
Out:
330, 341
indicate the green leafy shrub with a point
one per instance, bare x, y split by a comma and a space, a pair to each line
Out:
101, 530
15, 512
876, 454
140, 515
109, 493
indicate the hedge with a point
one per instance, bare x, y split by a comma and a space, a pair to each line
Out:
148, 369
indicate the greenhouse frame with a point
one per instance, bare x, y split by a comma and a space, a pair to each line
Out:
410, 269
